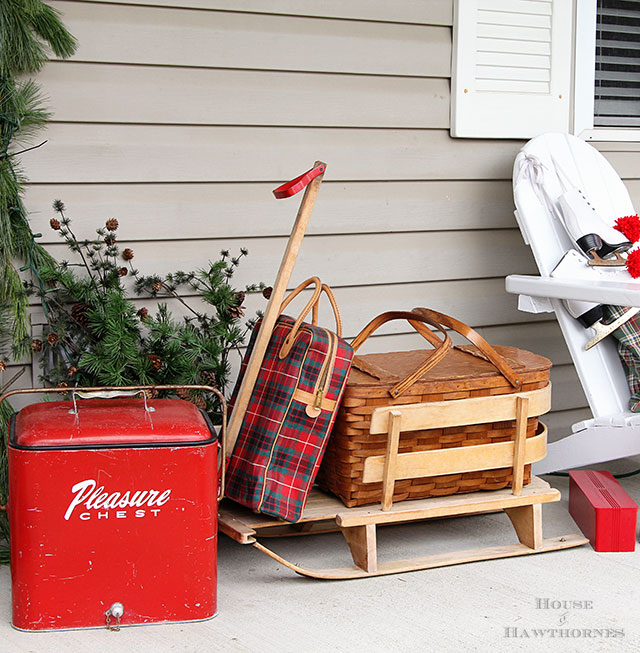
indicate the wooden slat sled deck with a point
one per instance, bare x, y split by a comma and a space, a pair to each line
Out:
522, 504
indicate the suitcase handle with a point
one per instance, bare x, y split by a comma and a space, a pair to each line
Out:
476, 339
312, 305
120, 391
417, 321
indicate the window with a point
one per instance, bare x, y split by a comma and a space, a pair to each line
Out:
525, 67
617, 65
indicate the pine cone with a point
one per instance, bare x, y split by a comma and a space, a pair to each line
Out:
236, 311
53, 339
112, 224
123, 272
209, 378
110, 239
157, 286
240, 297
3, 365
143, 313
150, 394
188, 395
72, 371
63, 384
55, 224
79, 313
36, 345
156, 361
127, 254
266, 293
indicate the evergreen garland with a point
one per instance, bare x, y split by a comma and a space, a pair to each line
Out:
95, 335
29, 30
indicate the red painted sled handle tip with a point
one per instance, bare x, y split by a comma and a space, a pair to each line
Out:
299, 183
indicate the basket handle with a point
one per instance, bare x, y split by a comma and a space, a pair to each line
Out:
476, 339
312, 305
418, 322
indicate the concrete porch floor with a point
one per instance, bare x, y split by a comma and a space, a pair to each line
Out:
481, 606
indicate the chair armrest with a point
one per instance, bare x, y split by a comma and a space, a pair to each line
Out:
622, 293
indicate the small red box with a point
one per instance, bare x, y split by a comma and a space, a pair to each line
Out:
112, 503
605, 513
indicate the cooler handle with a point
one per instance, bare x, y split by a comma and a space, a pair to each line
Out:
142, 388
108, 394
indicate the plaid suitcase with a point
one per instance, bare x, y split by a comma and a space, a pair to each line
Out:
289, 417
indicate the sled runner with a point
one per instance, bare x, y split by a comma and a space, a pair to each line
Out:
522, 504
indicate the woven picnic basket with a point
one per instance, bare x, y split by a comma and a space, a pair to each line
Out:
444, 374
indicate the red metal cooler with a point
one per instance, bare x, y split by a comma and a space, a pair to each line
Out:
113, 513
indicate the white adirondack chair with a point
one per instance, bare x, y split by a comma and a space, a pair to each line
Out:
614, 431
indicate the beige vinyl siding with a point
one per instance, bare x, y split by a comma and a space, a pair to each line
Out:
230, 39
90, 152
439, 12
212, 96
180, 118
222, 209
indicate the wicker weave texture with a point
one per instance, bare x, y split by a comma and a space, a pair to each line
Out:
351, 443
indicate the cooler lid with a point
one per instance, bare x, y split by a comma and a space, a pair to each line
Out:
109, 423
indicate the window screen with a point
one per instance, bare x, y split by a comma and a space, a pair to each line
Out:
617, 90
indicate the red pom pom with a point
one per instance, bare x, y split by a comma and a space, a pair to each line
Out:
629, 226
633, 263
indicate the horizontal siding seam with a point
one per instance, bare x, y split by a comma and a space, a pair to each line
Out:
272, 181
123, 123
343, 73
310, 236
124, 182
151, 5
275, 71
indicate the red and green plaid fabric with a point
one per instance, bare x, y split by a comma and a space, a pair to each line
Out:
628, 337
279, 448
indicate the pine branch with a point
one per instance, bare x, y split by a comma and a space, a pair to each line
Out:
29, 29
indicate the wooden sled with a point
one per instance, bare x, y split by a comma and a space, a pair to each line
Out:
523, 504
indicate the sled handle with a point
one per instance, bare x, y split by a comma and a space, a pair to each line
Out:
271, 312
296, 185
113, 391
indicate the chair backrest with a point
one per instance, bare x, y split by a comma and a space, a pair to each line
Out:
567, 160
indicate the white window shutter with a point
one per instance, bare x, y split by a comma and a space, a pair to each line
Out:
511, 72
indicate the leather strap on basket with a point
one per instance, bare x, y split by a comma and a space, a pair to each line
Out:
476, 339
418, 322
312, 305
